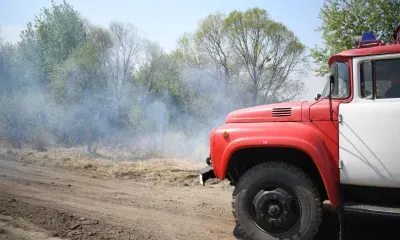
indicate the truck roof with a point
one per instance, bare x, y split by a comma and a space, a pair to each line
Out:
376, 50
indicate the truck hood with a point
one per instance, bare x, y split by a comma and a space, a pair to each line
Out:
279, 112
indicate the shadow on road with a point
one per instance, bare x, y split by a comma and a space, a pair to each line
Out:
357, 227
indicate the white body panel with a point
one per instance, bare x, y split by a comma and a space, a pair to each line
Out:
369, 139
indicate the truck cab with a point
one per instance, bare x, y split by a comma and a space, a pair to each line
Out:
286, 159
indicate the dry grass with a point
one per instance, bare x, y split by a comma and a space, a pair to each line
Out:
111, 163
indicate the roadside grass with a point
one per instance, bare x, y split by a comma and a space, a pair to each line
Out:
111, 164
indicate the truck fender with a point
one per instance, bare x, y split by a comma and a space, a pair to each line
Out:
314, 147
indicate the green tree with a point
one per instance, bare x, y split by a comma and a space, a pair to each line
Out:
343, 20
56, 32
256, 54
7, 58
189, 53
10, 120
269, 52
119, 64
158, 78
211, 37
21, 105
79, 85
123, 55
79, 75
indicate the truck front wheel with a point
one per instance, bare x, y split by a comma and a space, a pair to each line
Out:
276, 200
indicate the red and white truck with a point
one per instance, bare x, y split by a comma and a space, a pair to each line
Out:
286, 159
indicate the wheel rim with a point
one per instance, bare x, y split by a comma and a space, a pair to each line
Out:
276, 209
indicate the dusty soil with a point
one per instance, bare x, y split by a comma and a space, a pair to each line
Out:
39, 202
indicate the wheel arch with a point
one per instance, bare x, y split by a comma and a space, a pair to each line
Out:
243, 158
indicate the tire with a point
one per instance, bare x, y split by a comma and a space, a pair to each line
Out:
292, 211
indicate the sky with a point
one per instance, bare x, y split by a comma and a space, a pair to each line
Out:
165, 21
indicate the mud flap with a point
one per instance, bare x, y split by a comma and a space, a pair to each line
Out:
205, 174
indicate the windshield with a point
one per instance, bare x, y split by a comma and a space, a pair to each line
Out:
342, 88
325, 92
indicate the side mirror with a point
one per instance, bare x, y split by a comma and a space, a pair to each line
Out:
317, 96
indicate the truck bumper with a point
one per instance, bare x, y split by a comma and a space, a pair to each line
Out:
205, 174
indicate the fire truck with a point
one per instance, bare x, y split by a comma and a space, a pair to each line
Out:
284, 160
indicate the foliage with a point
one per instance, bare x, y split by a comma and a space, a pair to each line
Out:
343, 20
59, 31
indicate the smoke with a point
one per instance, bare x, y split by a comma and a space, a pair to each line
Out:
108, 87
80, 107
92, 86
189, 137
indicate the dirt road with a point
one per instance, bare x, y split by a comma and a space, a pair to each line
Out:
56, 201
43, 203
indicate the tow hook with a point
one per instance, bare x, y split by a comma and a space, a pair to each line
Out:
208, 161
205, 174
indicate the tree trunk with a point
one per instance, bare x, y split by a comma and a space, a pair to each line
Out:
89, 147
16, 143
254, 95
16, 139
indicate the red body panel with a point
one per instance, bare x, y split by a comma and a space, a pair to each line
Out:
264, 113
318, 117
387, 49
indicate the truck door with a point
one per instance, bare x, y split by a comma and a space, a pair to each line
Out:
369, 130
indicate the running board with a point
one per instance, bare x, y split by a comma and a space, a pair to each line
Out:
351, 207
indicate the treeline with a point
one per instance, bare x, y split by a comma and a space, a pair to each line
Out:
69, 82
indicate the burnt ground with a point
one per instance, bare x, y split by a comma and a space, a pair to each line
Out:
46, 203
